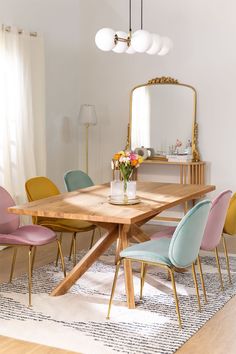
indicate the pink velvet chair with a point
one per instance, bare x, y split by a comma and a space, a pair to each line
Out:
213, 231
12, 234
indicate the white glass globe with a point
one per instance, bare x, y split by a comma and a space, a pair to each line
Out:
104, 39
156, 44
141, 41
120, 47
130, 50
167, 45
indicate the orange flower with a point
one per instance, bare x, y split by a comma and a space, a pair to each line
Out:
134, 163
116, 157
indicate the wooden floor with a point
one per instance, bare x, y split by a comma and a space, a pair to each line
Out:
218, 336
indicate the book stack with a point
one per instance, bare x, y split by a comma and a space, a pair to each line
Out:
179, 158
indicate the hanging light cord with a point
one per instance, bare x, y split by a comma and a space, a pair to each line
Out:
130, 26
141, 14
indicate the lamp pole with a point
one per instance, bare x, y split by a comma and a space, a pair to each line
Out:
87, 148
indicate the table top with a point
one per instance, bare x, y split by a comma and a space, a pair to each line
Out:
91, 203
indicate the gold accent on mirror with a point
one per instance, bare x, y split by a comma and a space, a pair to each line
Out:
166, 80
163, 80
196, 156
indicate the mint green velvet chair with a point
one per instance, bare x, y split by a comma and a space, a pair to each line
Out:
77, 179
181, 251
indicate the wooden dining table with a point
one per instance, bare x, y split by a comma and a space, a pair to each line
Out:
121, 222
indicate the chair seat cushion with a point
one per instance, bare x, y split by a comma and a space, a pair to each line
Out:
168, 233
64, 225
32, 235
151, 251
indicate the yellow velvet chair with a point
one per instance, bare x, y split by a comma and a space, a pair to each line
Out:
42, 187
229, 228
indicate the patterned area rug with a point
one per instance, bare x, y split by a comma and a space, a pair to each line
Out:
77, 320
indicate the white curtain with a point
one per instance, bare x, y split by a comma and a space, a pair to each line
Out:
22, 110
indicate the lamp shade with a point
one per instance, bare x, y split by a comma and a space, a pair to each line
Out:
104, 39
167, 45
156, 44
141, 41
87, 114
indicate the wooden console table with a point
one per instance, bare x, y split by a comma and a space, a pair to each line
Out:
189, 172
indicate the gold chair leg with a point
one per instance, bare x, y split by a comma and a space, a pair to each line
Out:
175, 295
61, 256
30, 275
113, 289
74, 249
58, 250
92, 239
71, 245
202, 279
33, 259
142, 278
226, 258
13, 264
219, 270
196, 286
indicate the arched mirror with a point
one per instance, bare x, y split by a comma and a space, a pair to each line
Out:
163, 118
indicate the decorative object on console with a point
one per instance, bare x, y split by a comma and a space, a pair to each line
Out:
179, 158
87, 116
140, 41
124, 162
142, 152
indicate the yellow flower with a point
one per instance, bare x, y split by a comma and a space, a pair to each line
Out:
122, 153
140, 159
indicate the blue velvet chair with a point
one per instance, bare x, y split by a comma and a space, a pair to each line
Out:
77, 179
181, 251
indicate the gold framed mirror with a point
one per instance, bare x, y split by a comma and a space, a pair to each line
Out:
163, 118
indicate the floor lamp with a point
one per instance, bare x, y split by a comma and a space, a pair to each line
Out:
87, 117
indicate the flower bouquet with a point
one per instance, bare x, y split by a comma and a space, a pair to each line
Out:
126, 162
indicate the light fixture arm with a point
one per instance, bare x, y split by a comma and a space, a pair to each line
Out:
128, 39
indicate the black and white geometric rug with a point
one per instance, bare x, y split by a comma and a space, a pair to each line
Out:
77, 320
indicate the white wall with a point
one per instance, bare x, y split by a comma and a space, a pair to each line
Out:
204, 56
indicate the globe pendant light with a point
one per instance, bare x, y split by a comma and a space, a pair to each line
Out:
156, 44
141, 41
167, 45
104, 39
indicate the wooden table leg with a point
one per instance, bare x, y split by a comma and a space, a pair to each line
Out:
129, 285
85, 263
138, 234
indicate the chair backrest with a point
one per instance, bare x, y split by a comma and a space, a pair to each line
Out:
215, 221
39, 188
77, 179
230, 221
8, 222
186, 241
